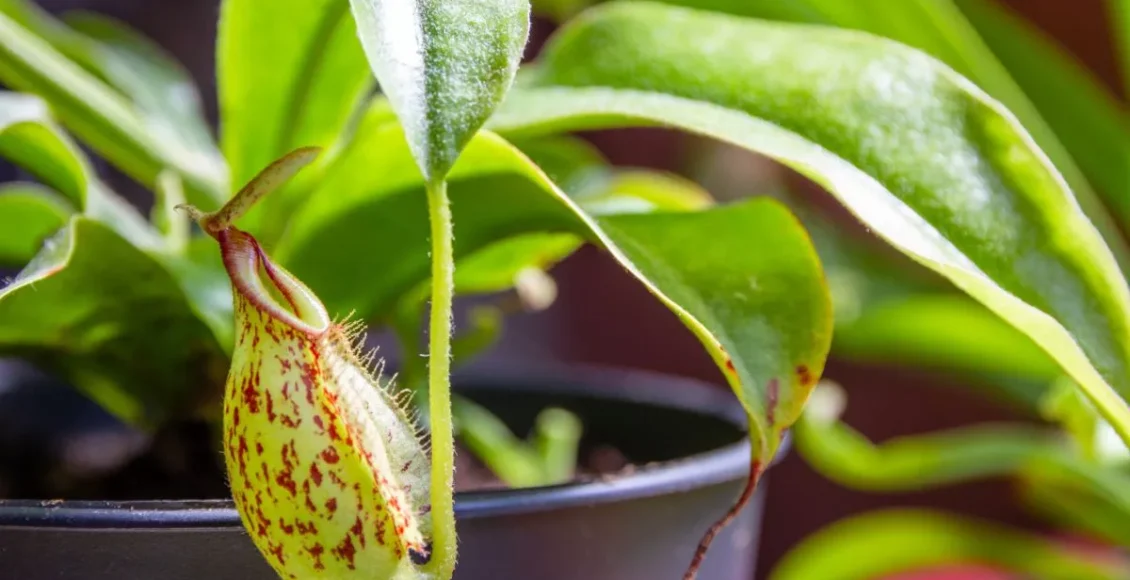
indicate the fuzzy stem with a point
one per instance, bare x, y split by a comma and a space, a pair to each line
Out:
442, 564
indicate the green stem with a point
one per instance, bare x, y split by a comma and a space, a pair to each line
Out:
442, 564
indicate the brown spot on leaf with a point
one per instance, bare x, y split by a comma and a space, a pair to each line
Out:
805, 376
772, 391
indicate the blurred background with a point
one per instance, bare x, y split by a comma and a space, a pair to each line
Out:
604, 317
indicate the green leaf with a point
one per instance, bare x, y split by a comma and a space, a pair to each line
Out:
880, 544
289, 73
113, 322
918, 154
1086, 117
497, 267
1090, 135
97, 114
943, 331
160, 89
29, 214
445, 65
30, 139
572, 163
1120, 20
766, 313
1038, 457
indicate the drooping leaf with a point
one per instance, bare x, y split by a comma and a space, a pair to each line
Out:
29, 139
289, 74
917, 462
29, 214
1119, 11
918, 154
376, 167
1086, 117
939, 28
763, 315
113, 322
879, 544
161, 91
444, 64
97, 114
943, 331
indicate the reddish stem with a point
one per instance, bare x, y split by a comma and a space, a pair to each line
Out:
755, 471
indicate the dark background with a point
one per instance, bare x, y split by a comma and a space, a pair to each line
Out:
604, 317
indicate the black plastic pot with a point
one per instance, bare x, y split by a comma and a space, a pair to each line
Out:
688, 438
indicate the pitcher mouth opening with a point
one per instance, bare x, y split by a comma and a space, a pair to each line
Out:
269, 287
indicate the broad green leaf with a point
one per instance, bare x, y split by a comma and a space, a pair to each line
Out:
559, 10
942, 331
939, 28
763, 315
375, 164
162, 90
918, 461
1120, 22
159, 88
444, 64
572, 163
921, 156
1041, 459
98, 115
880, 544
289, 74
29, 214
1058, 493
497, 266
890, 310
642, 191
30, 139
1090, 122
112, 321
808, 11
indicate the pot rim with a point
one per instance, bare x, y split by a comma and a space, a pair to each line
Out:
722, 465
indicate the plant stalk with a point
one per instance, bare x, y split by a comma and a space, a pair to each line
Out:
442, 564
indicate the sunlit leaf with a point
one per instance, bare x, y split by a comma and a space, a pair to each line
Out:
444, 64
918, 154
289, 74
29, 214
880, 544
